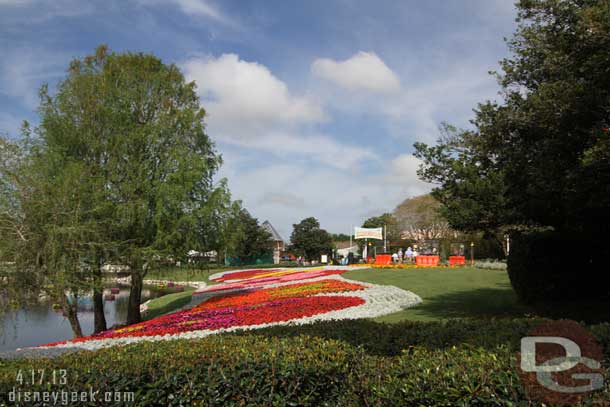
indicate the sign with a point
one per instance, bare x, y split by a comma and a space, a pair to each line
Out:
561, 364
368, 233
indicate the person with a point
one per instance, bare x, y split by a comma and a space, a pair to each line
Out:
395, 257
409, 254
415, 254
400, 255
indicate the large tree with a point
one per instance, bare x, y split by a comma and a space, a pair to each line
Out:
133, 129
541, 157
309, 240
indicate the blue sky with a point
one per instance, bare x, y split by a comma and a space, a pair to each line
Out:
314, 105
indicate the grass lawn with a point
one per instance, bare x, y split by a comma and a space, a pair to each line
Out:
202, 273
448, 292
183, 274
167, 303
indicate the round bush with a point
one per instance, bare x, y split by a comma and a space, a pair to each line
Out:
547, 265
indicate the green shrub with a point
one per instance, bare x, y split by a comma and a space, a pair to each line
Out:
545, 266
385, 339
433, 364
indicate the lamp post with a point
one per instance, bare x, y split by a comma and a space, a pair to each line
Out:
472, 253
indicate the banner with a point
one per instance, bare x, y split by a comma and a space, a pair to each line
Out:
368, 233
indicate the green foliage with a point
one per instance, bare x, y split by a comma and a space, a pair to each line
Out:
120, 169
309, 240
420, 364
541, 156
389, 221
539, 269
340, 237
253, 241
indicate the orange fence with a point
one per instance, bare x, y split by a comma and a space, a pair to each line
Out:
383, 259
457, 260
427, 260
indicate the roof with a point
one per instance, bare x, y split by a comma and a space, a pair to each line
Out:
343, 244
275, 236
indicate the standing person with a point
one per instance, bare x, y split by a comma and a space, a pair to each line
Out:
409, 254
400, 255
394, 257
415, 254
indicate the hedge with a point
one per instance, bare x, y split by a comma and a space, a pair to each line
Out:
428, 368
545, 266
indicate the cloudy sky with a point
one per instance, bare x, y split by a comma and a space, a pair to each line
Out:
314, 104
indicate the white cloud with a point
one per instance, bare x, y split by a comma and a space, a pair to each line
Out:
250, 107
362, 71
402, 172
320, 148
286, 191
283, 199
197, 8
20, 12
15, 3
23, 71
245, 94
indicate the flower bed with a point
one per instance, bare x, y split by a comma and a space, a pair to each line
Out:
259, 298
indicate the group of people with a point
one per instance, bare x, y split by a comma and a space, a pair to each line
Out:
408, 256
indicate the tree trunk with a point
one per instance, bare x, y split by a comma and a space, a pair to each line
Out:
99, 319
135, 294
71, 312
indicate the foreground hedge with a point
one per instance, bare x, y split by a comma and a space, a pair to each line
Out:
307, 370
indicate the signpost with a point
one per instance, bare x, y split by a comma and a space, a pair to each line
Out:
366, 234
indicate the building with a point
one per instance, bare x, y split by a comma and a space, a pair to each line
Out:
277, 242
345, 248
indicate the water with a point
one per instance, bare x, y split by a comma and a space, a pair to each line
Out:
39, 324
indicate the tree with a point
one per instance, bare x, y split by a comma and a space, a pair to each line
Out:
537, 164
540, 158
47, 212
253, 241
133, 129
386, 220
419, 218
340, 237
309, 240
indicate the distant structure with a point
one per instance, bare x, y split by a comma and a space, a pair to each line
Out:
344, 248
276, 239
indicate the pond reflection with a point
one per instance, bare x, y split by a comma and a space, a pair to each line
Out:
39, 323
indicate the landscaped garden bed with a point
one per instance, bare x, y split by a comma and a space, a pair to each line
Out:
260, 298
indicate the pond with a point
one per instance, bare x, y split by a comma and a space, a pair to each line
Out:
39, 323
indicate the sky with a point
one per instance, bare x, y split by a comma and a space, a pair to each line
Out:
313, 104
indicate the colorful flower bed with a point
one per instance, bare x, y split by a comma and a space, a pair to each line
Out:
257, 298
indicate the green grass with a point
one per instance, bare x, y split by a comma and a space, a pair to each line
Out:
169, 302
202, 273
448, 292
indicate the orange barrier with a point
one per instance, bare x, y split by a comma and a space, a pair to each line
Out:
457, 260
427, 260
383, 259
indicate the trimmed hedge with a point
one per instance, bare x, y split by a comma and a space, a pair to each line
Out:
307, 370
545, 266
